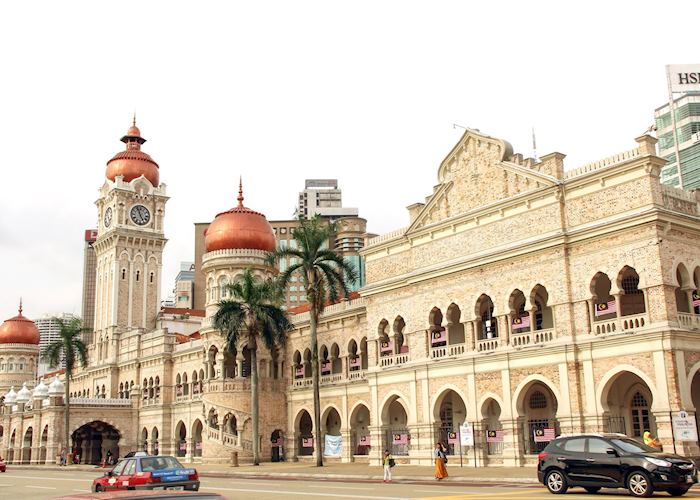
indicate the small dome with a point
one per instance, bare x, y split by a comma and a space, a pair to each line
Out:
41, 391
19, 330
10, 397
56, 388
24, 394
132, 163
240, 227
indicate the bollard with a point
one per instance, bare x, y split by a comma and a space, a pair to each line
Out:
234, 459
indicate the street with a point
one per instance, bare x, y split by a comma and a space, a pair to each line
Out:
36, 484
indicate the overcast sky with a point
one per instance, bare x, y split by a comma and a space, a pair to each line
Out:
366, 92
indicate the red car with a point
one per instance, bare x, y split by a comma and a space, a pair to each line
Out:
143, 472
2, 465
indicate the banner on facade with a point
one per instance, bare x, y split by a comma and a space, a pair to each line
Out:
400, 438
544, 434
608, 307
438, 337
334, 446
307, 442
683, 77
466, 435
278, 441
696, 298
386, 346
183, 446
365, 440
355, 363
325, 367
179, 390
452, 438
198, 446
299, 372
684, 427
494, 436
521, 322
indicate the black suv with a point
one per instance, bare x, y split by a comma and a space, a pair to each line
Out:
596, 461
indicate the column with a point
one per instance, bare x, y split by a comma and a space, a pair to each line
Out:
221, 369
347, 446
512, 441
503, 330
239, 365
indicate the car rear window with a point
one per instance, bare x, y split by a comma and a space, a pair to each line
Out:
159, 463
574, 445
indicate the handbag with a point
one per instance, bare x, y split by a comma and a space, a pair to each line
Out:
392, 462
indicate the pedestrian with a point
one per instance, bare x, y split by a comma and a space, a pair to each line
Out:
109, 457
388, 464
63, 456
440, 461
650, 440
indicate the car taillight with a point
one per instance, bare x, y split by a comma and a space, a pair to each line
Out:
542, 455
150, 479
193, 477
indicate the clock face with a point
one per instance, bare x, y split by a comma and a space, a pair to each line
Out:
140, 215
108, 216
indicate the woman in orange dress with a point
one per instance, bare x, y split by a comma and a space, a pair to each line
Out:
440, 461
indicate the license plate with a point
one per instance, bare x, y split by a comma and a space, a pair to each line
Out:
178, 488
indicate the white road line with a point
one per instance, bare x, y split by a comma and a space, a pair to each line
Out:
323, 486
307, 493
6, 484
42, 487
48, 478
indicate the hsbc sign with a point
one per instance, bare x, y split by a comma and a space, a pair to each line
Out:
683, 77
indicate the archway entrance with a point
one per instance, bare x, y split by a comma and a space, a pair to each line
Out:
181, 433
451, 412
491, 419
305, 444
197, 438
332, 424
27, 446
155, 447
359, 431
695, 399
93, 440
11, 449
395, 425
627, 401
43, 444
539, 407
277, 445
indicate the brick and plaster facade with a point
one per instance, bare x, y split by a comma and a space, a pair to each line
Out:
520, 297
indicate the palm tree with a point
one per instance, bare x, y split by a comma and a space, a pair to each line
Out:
326, 276
253, 311
68, 349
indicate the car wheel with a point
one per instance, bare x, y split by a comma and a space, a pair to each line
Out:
592, 489
556, 482
639, 484
98, 488
676, 492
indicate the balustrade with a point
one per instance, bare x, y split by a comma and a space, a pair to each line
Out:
485, 345
689, 320
622, 324
332, 378
357, 375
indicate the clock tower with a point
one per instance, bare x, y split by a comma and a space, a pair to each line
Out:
130, 241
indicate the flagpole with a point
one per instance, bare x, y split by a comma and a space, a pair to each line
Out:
671, 107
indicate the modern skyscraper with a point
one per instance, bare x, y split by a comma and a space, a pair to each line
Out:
688, 126
49, 331
89, 276
322, 197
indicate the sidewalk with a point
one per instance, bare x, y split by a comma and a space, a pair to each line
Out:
342, 472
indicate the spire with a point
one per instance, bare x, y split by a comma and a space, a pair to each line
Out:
20, 306
133, 123
240, 192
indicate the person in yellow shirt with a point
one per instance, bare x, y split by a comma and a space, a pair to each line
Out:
388, 462
650, 440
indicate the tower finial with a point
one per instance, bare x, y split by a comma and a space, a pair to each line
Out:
240, 191
133, 123
20, 306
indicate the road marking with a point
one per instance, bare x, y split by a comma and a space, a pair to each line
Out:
51, 478
4, 484
323, 486
84, 491
306, 493
466, 496
42, 487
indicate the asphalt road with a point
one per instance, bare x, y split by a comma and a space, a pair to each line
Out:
36, 484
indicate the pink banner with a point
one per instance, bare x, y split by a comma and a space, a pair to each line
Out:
198, 446
183, 446
307, 442
400, 438
387, 346
609, 307
365, 440
521, 322
438, 337
355, 362
325, 367
452, 438
544, 435
494, 436
278, 442
299, 372
696, 298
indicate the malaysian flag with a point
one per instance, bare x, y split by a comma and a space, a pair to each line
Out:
451, 438
696, 298
438, 337
494, 436
604, 308
355, 362
299, 372
544, 435
386, 346
521, 322
307, 442
365, 440
325, 367
400, 438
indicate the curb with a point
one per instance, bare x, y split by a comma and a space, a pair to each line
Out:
305, 476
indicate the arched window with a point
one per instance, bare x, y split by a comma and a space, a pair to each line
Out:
640, 414
632, 300
138, 274
544, 318
488, 325
123, 273
386, 347
537, 400
604, 304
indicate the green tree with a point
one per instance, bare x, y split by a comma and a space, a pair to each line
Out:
326, 276
67, 350
253, 311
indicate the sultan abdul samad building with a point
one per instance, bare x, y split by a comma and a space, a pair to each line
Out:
522, 300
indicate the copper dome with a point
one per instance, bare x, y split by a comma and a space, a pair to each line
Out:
132, 163
19, 330
240, 227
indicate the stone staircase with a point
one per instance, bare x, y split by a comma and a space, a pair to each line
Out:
220, 445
